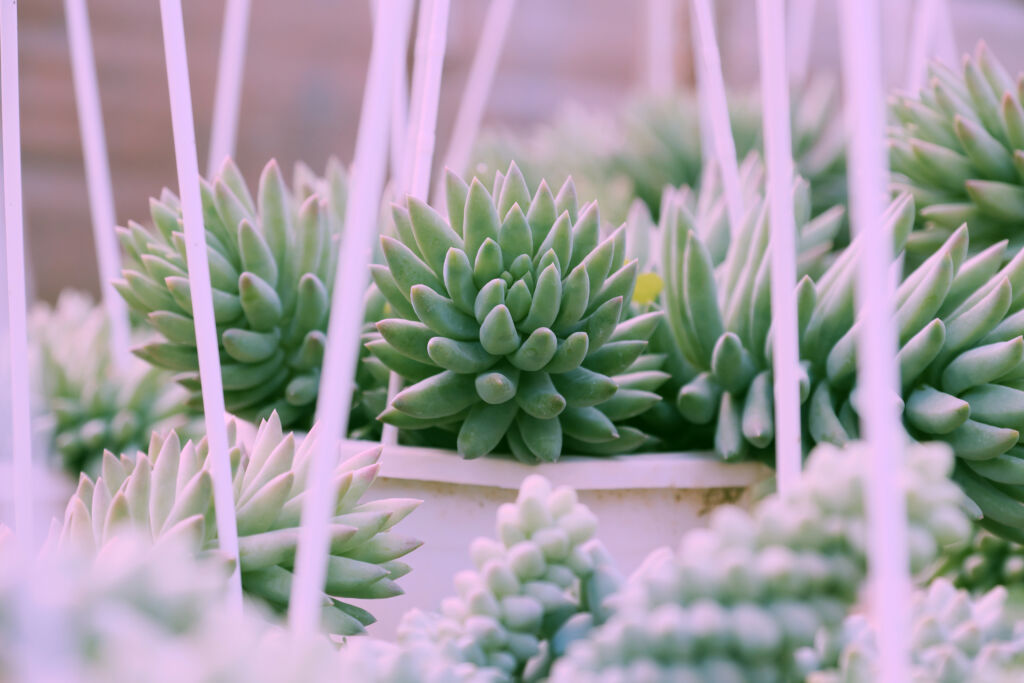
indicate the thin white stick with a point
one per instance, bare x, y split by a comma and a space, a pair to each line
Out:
478, 88
710, 65
926, 42
399, 94
660, 56
97, 175
340, 356
779, 162
415, 96
877, 369
945, 38
21, 425
431, 39
799, 35
230, 70
199, 283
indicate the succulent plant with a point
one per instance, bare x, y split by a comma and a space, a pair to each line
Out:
272, 261
955, 638
739, 600
168, 492
536, 588
988, 562
961, 352
958, 146
508, 324
91, 402
141, 612
368, 660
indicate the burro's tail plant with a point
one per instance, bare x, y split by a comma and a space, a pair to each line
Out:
739, 600
91, 401
958, 146
509, 323
168, 492
272, 260
955, 638
959, 322
538, 587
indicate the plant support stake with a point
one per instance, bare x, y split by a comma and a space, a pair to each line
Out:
431, 38
230, 69
877, 369
931, 35
199, 283
474, 97
342, 350
779, 162
800, 33
713, 89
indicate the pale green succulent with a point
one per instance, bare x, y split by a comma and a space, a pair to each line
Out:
90, 401
738, 601
958, 147
955, 638
168, 492
508, 324
990, 561
141, 612
272, 261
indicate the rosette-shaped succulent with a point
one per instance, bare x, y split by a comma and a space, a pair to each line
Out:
955, 638
90, 401
540, 586
740, 599
958, 146
990, 561
961, 352
168, 492
508, 324
272, 261
141, 612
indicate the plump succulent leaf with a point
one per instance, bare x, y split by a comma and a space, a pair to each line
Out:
168, 492
510, 337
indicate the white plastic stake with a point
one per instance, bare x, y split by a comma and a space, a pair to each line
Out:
779, 161
877, 369
660, 54
931, 36
713, 89
342, 350
227, 100
799, 35
14, 228
199, 283
399, 94
97, 174
478, 87
431, 39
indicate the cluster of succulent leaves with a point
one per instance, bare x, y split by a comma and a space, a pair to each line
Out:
655, 142
168, 493
539, 586
988, 562
955, 638
509, 323
140, 611
958, 147
741, 600
272, 261
89, 400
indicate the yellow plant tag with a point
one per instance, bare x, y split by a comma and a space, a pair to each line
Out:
648, 287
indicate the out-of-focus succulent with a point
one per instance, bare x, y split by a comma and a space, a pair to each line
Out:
141, 612
537, 588
90, 401
955, 638
507, 324
990, 561
738, 600
272, 262
368, 660
168, 492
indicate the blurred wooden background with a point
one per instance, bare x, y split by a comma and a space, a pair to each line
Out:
304, 80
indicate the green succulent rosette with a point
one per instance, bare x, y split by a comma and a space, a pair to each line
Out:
90, 401
272, 261
509, 324
742, 599
989, 561
167, 492
954, 638
958, 147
